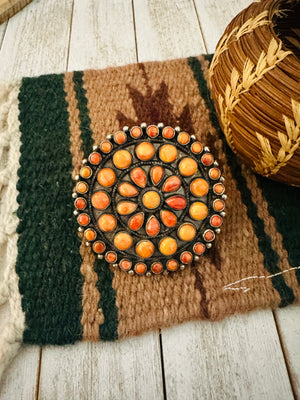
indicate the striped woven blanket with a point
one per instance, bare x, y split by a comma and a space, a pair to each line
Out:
52, 287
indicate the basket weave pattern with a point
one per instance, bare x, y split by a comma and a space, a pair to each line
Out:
255, 84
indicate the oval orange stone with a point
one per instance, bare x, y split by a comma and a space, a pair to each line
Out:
176, 202
199, 248
168, 153
183, 138
120, 137
198, 210
136, 132
122, 240
187, 232
106, 177
83, 219
139, 177
94, 158
82, 187
187, 166
218, 205
207, 159
80, 203
125, 264
127, 190
196, 147
144, 248
186, 257
171, 184
156, 174
99, 247
140, 268
214, 173
199, 187
111, 256
168, 246
219, 188
100, 200
145, 151
107, 223
209, 235
216, 221
152, 131
90, 234
172, 265
168, 218
106, 146
151, 199
168, 132
152, 226
122, 159
86, 172
126, 207
156, 268
136, 221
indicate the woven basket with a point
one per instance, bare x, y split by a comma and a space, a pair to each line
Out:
255, 84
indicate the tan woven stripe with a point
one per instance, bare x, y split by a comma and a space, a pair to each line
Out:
91, 318
271, 230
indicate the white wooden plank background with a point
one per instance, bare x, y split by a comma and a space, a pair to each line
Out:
253, 356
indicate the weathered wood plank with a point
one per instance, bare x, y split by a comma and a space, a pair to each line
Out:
214, 16
20, 379
128, 369
2, 32
238, 358
167, 29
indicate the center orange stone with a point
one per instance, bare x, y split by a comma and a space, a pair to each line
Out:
151, 199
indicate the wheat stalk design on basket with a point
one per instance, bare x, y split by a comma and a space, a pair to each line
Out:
238, 32
240, 84
270, 164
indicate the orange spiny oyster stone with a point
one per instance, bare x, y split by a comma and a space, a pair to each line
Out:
144, 248
186, 257
207, 159
127, 190
168, 218
145, 151
120, 137
125, 264
106, 177
86, 172
107, 223
219, 188
176, 202
136, 221
111, 257
187, 166
152, 226
172, 265
171, 184
216, 221
152, 131
198, 210
139, 177
151, 199
99, 247
168, 246
199, 187
122, 241
140, 268
218, 205
187, 232
100, 200
83, 219
157, 268
156, 174
214, 173
82, 187
209, 235
106, 146
168, 153
136, 132
183, 138
94, 158
90, 234
126, 207
168, 132
199, 248
196, 147
122, 159
80, 203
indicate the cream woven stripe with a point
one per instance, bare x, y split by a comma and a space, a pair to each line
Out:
12, 317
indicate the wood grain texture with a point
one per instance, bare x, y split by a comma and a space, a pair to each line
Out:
128, 369
8, 8
102, 34
214, 16
238, 358
19, 381
167, 29
36, 40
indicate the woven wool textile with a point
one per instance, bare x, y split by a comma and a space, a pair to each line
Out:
53, 287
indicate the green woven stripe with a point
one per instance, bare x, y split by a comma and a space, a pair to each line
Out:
283, 204
271, 257
48, 260
85, 121
109, 330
